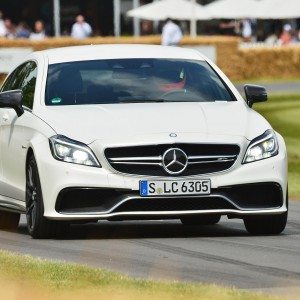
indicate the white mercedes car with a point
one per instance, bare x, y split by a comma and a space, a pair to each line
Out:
132, 132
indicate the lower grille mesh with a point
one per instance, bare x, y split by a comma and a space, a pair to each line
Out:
171, 204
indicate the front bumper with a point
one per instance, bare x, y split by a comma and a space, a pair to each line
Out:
267, 179
113, 203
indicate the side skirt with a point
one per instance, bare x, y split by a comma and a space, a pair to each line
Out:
12, 205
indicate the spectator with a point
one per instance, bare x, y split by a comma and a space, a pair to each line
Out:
23, 31
286, 36
228, 27
10, 29
2, 25
171, 34
146, 27
246, 30
81, 29
39, 31
272, 39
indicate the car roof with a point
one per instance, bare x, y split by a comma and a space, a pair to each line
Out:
94, 52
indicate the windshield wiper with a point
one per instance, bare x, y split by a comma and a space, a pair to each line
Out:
142, 101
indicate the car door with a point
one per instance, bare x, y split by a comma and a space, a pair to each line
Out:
12, 150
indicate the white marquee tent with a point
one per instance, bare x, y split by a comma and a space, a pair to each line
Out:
220, 9
234, 9
175, 9
256, 9
279, 9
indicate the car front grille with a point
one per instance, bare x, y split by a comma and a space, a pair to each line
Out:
148, 160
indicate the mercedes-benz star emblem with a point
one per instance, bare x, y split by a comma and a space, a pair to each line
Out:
174, 161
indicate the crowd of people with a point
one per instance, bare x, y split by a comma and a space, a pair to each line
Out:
80, 29
12, 31
250, 32
172, 33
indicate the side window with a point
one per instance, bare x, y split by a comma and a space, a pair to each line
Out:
23, 78
12, 81
6, 84
28, 84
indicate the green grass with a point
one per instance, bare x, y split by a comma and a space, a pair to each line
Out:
283, 112
36, 277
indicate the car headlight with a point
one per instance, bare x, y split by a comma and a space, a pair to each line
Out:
71, 151
262, 147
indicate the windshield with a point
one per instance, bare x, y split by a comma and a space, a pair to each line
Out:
133, 80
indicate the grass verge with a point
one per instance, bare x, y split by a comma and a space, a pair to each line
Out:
24, 277
283, 112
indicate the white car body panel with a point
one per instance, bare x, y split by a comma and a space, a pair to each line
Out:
116, 121
116, 51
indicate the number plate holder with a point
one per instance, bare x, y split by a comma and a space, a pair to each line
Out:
149, 188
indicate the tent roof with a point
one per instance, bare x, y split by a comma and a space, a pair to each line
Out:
279, 9
220, 9
175, 9
256, 9
233, 9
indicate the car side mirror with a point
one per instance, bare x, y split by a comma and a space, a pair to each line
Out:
255, 93
12, 99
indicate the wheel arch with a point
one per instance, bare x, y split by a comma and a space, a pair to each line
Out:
36, 145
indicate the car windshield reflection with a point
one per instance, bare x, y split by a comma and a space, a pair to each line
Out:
132, 81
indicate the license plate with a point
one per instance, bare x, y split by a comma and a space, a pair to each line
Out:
174, 187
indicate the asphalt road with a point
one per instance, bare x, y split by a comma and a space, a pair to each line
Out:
223, 253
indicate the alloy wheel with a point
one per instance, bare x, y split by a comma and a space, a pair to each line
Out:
31, 197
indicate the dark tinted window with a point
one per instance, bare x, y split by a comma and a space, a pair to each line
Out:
133, 80
23, 78
28, 84
12, 82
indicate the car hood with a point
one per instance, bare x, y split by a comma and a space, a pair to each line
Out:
87, 123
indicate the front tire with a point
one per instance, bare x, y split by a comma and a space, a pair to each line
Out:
270, 224
201, 220
9, 220
259, 225
38, 226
